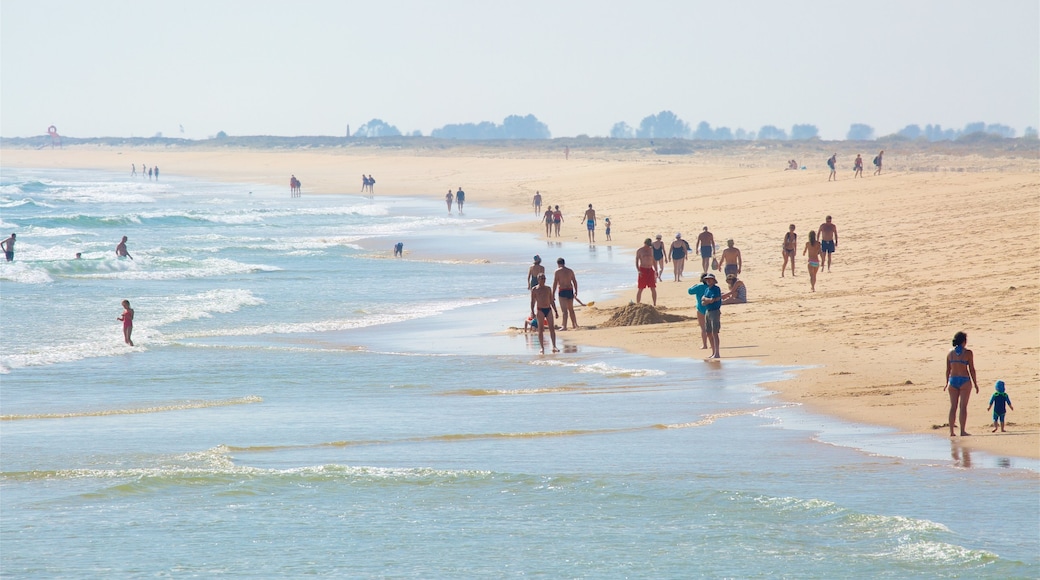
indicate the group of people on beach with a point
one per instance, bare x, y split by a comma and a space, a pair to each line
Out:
367, 183
553, 218
544, 312
145, 170
820, 248
960, 378
295, 187
857, 165
459, 198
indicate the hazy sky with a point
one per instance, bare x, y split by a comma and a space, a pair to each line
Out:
312, 67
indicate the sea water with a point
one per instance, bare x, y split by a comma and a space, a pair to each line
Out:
300, 403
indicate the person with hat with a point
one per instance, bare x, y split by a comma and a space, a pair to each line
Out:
659, 256
712, 302
678, 255
997, 402
697, 291
533, 272
737, 293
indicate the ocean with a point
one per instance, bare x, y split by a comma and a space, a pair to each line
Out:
299, 402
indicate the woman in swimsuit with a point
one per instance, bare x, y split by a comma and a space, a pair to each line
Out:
557, 219
812, 248
548, 215
788, 248
659, 256
678, 251
448, 198
128, 322
960, 374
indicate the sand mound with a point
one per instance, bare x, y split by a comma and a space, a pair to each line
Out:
636, 314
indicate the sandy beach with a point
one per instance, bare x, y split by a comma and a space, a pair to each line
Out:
946, 239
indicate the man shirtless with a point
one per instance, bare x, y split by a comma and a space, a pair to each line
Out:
121, 250
590, 223
731, 262
828, 235
565, 285
706, 242
536, 269
542, 299
8, 247
537, 202
647, 272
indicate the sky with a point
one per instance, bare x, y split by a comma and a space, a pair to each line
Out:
192, 68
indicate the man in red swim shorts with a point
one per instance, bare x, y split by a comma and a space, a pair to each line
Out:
647, 274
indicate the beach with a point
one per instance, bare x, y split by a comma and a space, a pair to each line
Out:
944, 240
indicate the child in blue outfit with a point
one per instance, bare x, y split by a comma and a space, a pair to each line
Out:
997, 403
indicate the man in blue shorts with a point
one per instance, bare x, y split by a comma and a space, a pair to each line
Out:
590, 222
828, 236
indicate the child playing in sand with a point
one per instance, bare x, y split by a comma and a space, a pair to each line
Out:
128, 322
531, 324
997, 403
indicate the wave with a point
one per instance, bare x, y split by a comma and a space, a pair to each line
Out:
601, 368
173, 406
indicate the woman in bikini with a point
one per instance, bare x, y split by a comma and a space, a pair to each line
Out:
960, 375
812, 248
789, 247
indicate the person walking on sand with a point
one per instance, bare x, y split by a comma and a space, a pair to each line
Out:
565, 285
706, 243
533, 272
833, 164
542, 299
998, 402
960, 375
557, 220
731, 262
548, 218
128, 322
857, 166
660, 256
121, 249
590, 223
828, 236
677, 251
647, 273
877, 162
460, 199
448, 199
713, 311
697, 291
812, 249
789, 247
8, 247
537, 202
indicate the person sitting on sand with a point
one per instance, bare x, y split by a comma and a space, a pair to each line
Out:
737, 293
960, 374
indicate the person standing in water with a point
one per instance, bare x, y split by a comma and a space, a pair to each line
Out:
565, 284
121, 251
448, 198
8, 247
128, 322
542, 299
460, 198
960, 376
537, 202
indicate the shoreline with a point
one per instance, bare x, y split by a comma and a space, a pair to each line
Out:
871, 340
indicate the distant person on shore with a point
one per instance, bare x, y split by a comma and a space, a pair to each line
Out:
828, 236
737, 293
713, 316
590, 223
128, 322
812, 249
542, 299
660, 256
364, 183
731, 262
8, 247
371, 184
791, 165
833, 164
998, 402
449, 199
697, 291
606, 226
549, 218
789, 247
460, 199
678, 251
706, 243
149, 174
537, 202
565, 285
399, 250
647, 272
157, 173
121, 249
133, 170
534, 271
960, 376
877, 162
557, 220
857, 166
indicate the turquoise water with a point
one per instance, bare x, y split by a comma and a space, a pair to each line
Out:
299, 403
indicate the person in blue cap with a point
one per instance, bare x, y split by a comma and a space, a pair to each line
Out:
997, 402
